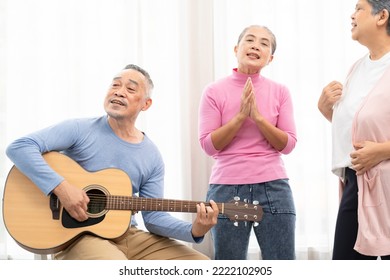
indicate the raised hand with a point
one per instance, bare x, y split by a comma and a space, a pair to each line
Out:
329, 96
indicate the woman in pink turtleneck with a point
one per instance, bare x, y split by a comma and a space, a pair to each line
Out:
246, 123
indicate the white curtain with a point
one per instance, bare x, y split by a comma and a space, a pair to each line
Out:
57, 58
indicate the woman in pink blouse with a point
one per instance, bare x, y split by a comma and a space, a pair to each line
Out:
246, 123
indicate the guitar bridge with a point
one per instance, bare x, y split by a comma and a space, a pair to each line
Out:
55, 207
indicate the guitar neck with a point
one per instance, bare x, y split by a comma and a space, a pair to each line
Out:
153, 204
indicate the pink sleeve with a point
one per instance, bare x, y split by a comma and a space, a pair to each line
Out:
209, 120
286, 121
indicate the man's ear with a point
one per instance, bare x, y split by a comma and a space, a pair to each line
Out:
148, 103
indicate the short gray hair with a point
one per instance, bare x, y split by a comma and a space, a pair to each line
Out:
145, 74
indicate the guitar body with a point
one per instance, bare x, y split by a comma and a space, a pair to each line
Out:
38, 222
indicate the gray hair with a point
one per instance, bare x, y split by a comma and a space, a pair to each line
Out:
273, 38
378, 6
145, 74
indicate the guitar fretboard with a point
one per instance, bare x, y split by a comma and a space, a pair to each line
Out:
152, 204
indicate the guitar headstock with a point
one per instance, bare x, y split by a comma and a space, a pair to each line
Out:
242, 211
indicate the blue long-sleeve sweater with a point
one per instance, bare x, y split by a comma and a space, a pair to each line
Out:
93, 145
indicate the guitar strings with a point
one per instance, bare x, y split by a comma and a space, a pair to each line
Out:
138, 203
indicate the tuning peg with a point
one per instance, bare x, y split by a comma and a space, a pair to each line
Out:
246, 200
236, 199
255, 224
235, 224
255, 202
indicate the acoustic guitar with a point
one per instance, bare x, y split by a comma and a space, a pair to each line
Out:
39, 224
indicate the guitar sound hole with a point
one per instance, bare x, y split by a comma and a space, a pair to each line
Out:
96, 208
97, 201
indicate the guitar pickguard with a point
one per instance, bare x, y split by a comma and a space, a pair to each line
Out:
69, 222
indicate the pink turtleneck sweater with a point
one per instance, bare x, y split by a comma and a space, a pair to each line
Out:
249, 158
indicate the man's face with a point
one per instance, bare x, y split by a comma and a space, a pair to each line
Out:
127, 96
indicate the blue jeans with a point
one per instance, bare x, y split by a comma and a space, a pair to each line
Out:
275, 233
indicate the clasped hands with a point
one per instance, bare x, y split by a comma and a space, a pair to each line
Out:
248, 106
